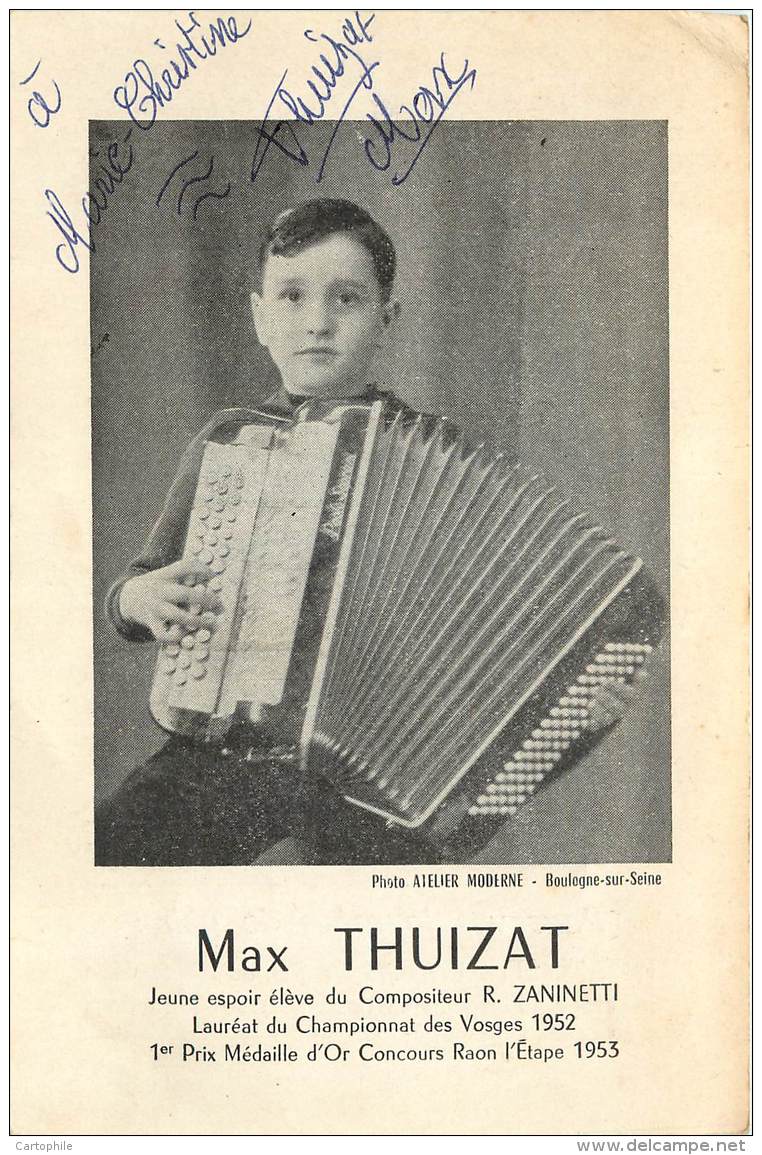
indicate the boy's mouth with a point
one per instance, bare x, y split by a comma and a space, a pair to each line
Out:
317, 351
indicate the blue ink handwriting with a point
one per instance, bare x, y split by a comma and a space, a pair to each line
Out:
38, 106
218, 194
423, 114
142, 94
419, 117
113, 166
66, 251
354, 33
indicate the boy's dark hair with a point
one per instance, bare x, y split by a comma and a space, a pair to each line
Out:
315, 220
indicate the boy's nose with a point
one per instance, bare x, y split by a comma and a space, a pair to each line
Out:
319, 320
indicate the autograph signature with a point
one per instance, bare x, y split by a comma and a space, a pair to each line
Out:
342, 78
421, 114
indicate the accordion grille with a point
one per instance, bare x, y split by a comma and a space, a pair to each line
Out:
467, 581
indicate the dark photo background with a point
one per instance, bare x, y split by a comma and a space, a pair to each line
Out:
533, 284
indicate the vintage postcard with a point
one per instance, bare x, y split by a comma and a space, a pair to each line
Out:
380, 417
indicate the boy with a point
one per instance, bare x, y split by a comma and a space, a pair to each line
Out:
325, 308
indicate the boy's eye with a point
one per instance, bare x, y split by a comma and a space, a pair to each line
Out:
349, 297
293, 295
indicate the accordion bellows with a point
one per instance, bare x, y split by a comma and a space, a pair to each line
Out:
425, 619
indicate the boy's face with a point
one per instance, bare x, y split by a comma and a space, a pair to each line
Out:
322, 316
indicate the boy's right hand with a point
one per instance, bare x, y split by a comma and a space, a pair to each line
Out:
171, 601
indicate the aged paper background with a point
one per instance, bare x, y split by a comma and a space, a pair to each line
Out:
90, 944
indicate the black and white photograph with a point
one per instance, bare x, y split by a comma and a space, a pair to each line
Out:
380, 456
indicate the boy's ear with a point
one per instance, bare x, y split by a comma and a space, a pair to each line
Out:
260, 321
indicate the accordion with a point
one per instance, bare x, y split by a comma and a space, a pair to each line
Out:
422, 620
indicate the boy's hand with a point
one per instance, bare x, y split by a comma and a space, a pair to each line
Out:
171, 601
609, 702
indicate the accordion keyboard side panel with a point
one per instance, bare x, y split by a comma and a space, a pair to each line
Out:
283, 541
333, 479
190, 677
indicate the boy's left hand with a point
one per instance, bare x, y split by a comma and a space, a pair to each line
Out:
610, 702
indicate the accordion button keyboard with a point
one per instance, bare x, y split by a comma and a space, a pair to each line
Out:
563, 725
197, 680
